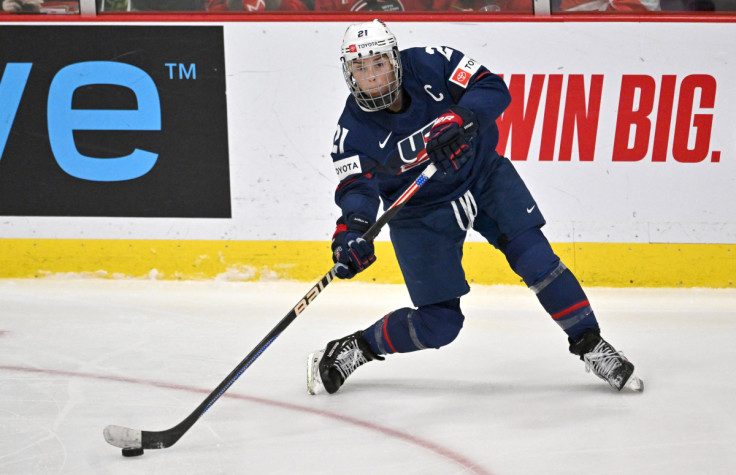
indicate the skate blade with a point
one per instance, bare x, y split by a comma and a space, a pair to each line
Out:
635, 384
314, 380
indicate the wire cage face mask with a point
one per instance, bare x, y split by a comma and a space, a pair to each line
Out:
371, 65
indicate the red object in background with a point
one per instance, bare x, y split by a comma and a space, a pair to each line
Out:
60, 7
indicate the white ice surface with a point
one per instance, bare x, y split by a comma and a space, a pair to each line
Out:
504, 398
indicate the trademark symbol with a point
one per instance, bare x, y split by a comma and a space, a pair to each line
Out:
182, 71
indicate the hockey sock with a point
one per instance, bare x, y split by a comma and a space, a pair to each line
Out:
408, 329
557, 289
564, 299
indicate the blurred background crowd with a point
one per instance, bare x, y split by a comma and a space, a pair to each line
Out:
255, 6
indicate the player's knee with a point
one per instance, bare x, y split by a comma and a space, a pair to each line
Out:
438, 324
531, 257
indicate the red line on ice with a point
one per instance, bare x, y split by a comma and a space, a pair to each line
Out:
444, 452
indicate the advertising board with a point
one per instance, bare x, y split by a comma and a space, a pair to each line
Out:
113, 121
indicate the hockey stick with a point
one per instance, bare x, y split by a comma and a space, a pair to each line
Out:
133, 441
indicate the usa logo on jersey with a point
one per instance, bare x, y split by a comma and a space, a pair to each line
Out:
412, 148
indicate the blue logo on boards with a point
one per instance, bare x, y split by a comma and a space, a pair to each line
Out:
114, 121
63, 120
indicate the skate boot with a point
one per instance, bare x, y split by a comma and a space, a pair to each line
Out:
329, 368
605, 362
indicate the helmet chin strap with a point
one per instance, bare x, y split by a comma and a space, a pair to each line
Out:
398, 104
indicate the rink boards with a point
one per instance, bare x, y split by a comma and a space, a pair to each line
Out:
201, 149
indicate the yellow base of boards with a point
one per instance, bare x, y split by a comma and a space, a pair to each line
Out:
595, 264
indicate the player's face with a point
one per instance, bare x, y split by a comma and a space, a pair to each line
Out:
373, 74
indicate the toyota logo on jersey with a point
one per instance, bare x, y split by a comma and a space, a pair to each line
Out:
464, 71
461, 77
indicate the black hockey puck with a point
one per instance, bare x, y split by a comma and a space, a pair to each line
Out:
132, 451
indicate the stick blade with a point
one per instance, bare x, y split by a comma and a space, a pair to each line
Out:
123, 437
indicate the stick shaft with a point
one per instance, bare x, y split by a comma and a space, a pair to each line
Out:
124, 437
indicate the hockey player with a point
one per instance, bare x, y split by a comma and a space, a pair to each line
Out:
437, 104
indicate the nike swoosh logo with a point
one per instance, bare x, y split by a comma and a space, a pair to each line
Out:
529, 210
383, 144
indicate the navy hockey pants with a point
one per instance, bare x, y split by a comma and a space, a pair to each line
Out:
429, 241
429, 247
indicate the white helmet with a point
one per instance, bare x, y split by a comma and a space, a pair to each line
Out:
368, 42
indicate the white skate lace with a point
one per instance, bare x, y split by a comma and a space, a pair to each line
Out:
349, 359
602, 361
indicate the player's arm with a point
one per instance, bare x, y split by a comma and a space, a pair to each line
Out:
358, 197
479, 98
475, 88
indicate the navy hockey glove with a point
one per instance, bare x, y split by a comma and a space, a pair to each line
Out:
449, 139
350, 252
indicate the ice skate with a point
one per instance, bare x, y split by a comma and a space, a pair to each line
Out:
605, 362
329, 368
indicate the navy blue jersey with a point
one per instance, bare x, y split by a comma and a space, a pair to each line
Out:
377, 154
